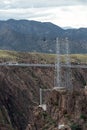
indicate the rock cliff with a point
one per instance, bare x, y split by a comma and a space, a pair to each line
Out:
65, 111
19, 99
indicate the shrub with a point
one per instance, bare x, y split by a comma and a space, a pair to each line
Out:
82, 116
75, 127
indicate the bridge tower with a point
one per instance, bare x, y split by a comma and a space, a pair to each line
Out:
62, 80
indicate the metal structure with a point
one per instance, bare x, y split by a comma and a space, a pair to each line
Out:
42, 104
68, 73
58, 80
59, 84
44, 65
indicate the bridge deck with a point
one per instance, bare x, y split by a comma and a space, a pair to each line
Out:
42, 65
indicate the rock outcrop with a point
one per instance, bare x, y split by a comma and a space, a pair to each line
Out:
19, 99
19, 93
65, 111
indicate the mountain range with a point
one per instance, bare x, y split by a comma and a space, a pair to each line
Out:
33, 36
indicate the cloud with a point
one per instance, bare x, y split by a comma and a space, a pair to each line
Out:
39, 3
74, 16
61, 12
5, 4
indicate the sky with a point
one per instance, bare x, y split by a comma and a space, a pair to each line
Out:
64, 13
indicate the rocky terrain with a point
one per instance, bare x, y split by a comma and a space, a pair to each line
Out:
19, 95
19, 99
64, 108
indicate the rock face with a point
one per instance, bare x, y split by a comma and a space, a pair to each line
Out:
19, 99
66, 109
19, 93
70, 108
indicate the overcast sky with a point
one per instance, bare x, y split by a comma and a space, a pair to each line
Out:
64, 13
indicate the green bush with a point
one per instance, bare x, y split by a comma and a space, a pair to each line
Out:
82, 116
75, 127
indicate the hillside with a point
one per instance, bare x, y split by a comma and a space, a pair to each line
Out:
42, 58
19, 94
33, 36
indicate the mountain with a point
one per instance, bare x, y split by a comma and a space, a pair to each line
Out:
33, 36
